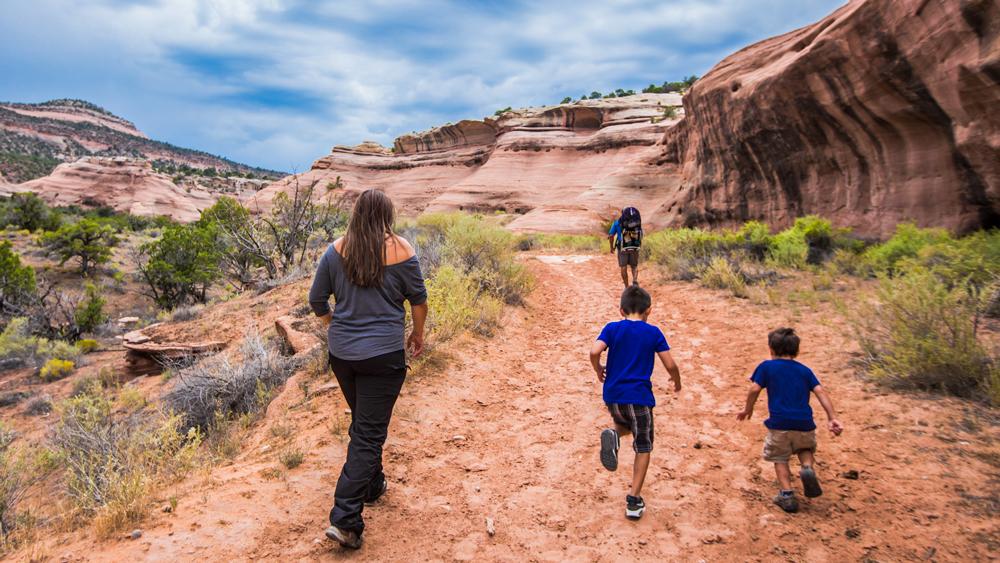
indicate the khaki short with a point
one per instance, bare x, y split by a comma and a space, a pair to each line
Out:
783, 444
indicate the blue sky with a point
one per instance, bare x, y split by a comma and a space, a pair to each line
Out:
277, 83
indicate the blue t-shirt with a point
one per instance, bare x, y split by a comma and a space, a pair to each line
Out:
788, 385
616, 230
632, 348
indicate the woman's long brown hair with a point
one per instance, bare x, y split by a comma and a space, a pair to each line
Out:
364, 250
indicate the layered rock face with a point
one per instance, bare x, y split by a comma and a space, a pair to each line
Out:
127, 185
558, 168
885, 111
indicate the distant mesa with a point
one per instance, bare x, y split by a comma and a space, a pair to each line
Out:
72, 152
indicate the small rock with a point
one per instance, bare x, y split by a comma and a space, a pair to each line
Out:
134, 534
642, 542
697, 445
713, 539
265, 448
347, 411
475, 467
853, 533
458, 438
850, 474
168, 509
491, 528
125, 321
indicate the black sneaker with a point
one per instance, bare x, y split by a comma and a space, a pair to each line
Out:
787, 501
609, 449
634, 507
346, 538
375, 493
810, 484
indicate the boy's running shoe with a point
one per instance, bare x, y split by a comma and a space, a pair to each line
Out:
634, 507
376, 493
810, 483
609, 449
787, 501
346, 538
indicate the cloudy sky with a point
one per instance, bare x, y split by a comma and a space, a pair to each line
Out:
277, 83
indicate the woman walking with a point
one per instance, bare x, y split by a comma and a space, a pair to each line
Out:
369, 271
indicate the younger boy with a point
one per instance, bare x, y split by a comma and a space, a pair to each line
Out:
632, 345
790, 428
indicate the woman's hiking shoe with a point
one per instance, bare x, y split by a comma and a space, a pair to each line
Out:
346, 538
810, 484
609, 449
634, 507
376, 493
787, 501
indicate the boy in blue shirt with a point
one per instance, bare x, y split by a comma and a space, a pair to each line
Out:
790, 427
632, 345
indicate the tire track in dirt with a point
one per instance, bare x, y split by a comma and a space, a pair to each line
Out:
508, 431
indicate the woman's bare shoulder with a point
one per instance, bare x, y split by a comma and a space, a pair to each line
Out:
401, 250
338, 244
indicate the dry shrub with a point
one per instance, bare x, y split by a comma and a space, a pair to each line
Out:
291, 458
222, 387
56, 369
556, 241
721, 274
922, 333
18, 347
112, 462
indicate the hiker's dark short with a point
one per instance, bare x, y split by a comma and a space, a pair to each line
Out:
628, 257
638, 419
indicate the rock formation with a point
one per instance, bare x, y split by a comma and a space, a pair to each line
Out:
124, 184
882, 112
559, 168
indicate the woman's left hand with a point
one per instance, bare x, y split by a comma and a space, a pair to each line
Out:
415, 344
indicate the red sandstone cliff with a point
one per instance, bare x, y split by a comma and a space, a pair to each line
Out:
559, 168
885, 111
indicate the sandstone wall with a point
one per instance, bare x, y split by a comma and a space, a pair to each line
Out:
885, 111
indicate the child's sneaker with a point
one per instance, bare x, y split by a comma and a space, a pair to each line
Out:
634, 507
609, 449
787, 501
810, 484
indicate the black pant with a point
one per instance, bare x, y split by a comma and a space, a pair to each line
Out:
371, 387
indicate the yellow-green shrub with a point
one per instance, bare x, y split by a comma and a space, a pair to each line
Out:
720, 274
113, 463
87, 345
555, 241
458, 305
56, 369
907, 242
920, 332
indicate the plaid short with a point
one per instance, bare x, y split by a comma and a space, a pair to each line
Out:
639, 419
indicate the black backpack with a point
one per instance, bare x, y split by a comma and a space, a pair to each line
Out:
631, 226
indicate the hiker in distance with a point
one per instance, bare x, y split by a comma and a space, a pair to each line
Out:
370, 272
626, 236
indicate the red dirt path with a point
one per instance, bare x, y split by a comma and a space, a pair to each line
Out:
527, 409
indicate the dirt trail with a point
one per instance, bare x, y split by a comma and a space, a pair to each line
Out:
509, 431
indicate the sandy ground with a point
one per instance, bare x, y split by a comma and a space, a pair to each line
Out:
508, 431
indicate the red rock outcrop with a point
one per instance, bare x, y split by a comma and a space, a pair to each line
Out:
884, 111
123, 184
559, 168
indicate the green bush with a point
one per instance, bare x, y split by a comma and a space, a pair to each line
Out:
179, 267
907, 242
556, 241
87, 240
90, 311
19, 347
17, 281
485, 253
27, 211
921, 333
